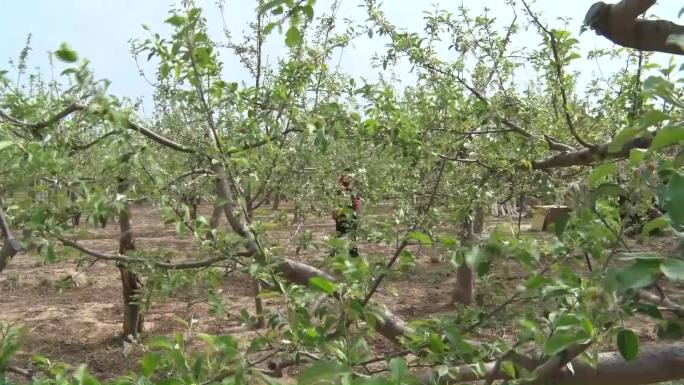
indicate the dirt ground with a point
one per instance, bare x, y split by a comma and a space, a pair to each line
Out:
82, 323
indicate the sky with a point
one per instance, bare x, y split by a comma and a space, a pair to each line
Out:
100, 30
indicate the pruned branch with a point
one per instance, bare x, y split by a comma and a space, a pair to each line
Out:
555, 364
555, 145
618, 23
656, 363
158, 138
589, 156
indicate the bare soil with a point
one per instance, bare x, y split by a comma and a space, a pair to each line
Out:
81, 323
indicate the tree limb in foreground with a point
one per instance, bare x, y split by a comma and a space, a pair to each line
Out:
656, 363
618, 23
588, 156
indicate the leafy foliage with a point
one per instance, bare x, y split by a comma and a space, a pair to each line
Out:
460, 139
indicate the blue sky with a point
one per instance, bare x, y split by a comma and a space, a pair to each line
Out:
100, 30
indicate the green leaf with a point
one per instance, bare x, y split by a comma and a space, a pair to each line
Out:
398, 368
308, 11
678, 161
406, 260
654, 224
508, 368
560, 224
606, 189
673, 269
269, 27
420, 237
628, 344
600, 172
66, 54
638, 275
610, 189
649, 310
270, 5
322, 284
640, 255
175, 20
321, 371
5, 144
636, 156
82, 377
667, 136
447, 241
561, 340
622, 138
674, 204
436, 343
652, 118
293, 37
670, 330
149, 363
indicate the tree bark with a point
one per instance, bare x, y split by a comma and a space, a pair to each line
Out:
463, 292
130, 282
656, 363
10, 246
588, 156
619, 24
276, 201
216, 214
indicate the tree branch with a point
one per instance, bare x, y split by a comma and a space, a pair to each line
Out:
618, 23
162, 265
588, 156
656, 363
74, 107
558, 66
71, 108
158, 138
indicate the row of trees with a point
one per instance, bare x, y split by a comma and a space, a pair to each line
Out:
462, 138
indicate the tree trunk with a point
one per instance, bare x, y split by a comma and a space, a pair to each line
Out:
73, 197
259, 305
463, 292
131, 283
276, 201
10, 246
216, 217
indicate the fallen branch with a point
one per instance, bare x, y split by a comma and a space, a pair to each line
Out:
664, 301
555, 364
656, 363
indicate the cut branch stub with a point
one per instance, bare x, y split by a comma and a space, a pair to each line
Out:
618, 23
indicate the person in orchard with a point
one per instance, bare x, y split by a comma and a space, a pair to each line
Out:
346, 214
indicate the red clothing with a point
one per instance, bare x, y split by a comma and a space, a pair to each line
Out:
343, 184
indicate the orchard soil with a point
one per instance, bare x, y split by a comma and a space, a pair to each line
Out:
81, 323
